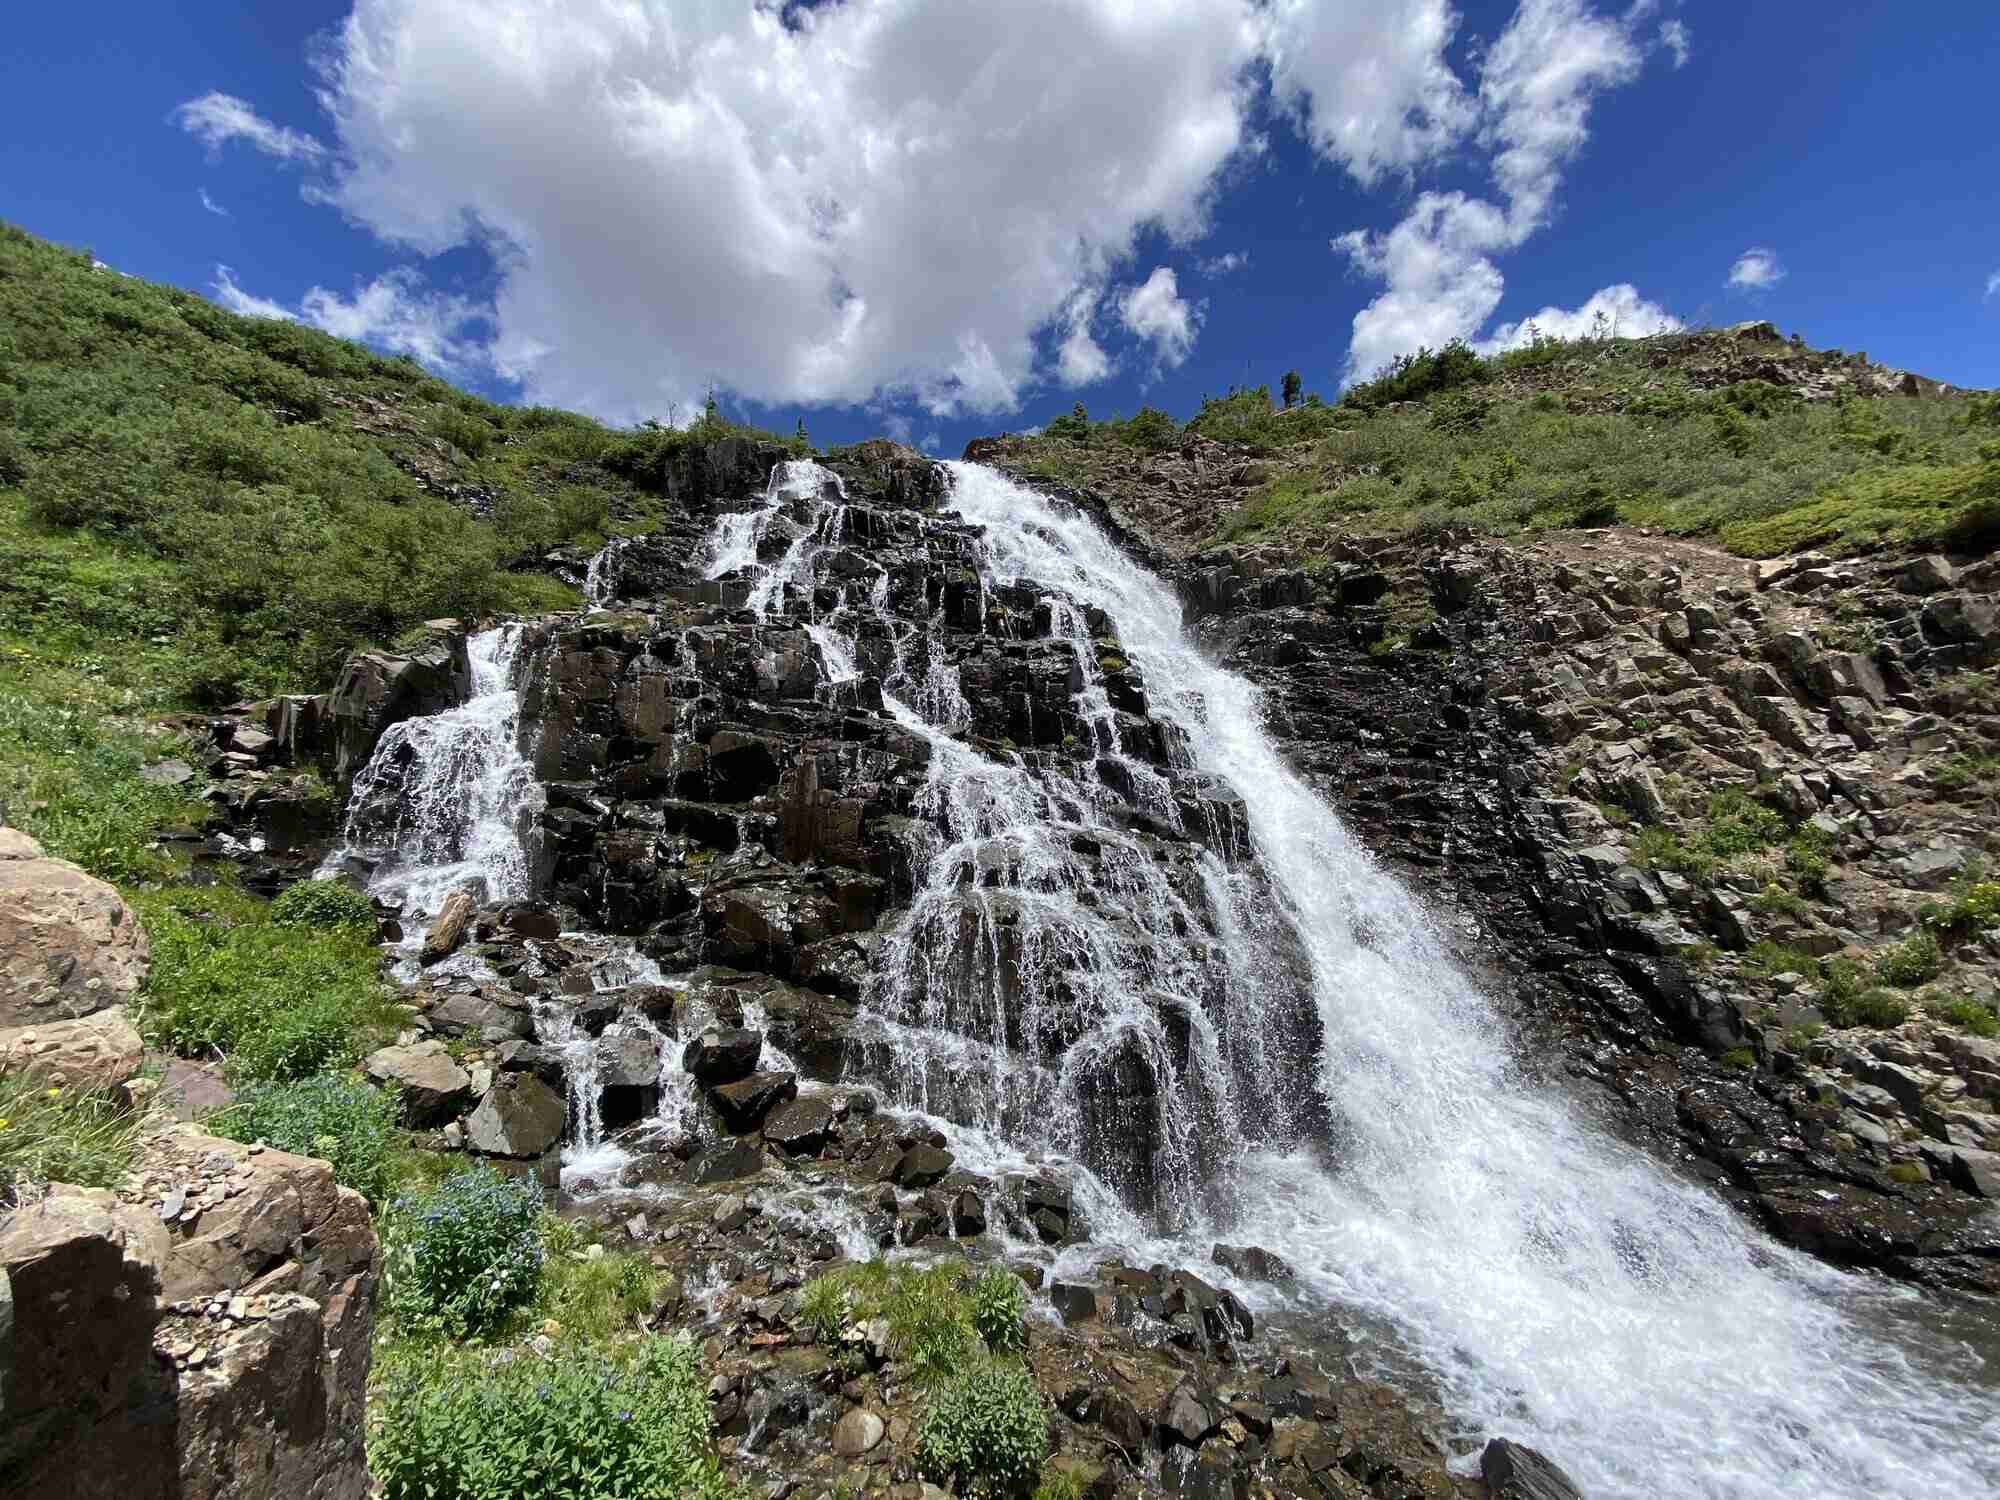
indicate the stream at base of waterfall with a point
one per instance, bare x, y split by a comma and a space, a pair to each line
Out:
1324, 1080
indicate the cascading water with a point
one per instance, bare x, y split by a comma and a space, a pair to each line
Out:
449, 798
1563, 1288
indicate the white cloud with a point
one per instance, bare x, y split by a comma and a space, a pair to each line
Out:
1367, 80
1156, 311
1080, 359
1225, 264
1756, 269
897, 426
1993, 285
933, 441
392, 312
1536, 85
236, 300
1613, 311
1674, 37
881, 196
217, 118
211, 205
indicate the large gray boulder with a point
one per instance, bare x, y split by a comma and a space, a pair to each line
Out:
1513, 1471
432, 1087
520, 1117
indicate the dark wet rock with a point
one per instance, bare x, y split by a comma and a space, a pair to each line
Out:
745, 1103
1252, 1263
719, 1057
1074, 1304
1189, 1416
968, 1214
801, 1126
377, 689
922, 1165
1513, 1471
480, 1016
1208, 1475
726, 1161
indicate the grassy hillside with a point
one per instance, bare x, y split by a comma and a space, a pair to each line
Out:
1698, 434
201, 506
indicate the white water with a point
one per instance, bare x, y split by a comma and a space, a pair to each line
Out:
467, 799
1565, 1289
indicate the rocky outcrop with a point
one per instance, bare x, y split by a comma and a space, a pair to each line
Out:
377, 689
100, 1051
202, 1333
69, 946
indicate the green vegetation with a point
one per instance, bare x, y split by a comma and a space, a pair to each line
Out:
985, 1432
341, 1120
1918, 958
278, 999
1847, 999
1974, 906
1966, 1014
589, 1425
1000, 1310
52, 1134
1734, 826
460, 1258
929, 1310
592, 1293
330, 904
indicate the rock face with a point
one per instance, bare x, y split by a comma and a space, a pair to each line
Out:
100, 1051
69, 946
220, 1351
377, 689
520, 1117
1514, 1472
432, 1087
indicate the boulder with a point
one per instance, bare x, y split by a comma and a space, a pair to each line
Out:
1187, 1417
857, 1433
801, 1126
69, 945
220, 1350
1252, 1263
720, 1056
100, 1051
448, 927
432, 1087
1513, 1471
745, 1103
922, 1165
377, 688
520, 1117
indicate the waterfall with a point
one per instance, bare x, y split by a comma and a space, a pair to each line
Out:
600, 577
449, 798
1563, 1288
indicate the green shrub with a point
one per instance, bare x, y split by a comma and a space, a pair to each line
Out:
1000, 1310
1847, 999
593, 1296
324, 903
1919, 957
1808, 855
447, 1425
341, 1120
50, 1134
463, 1256
1412, 377
1737, 825
929, 1309
1967, 1014
278, 1001
1975, 906
986, 1432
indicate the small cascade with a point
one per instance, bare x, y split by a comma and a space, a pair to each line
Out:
600, 579
449, 799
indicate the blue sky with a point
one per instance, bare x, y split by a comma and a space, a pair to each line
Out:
949, 220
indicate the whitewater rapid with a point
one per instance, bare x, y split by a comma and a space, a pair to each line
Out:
1562, 1288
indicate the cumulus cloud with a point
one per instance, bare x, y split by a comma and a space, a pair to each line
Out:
1674, 37
1756, 269
1226, 264
1537, 83
1613, 311
216, 118
870, 197
1080, 359
211, 205
1156, 311
1367, 82
393, 312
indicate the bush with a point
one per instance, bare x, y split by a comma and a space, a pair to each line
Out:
593, 1297
324, 903
1412, 377
1968, 1014
50, 1134
1000, 1310
341, 1120
585, 1426
1916, 959
986, 1432
1846, 999
463, 1256
929, 1309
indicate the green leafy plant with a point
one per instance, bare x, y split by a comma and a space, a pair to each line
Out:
464, 1255
1967, 1015
1919, 957
985, 1432
447, 1425
1847, 999
342, 1120
1000, 1310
